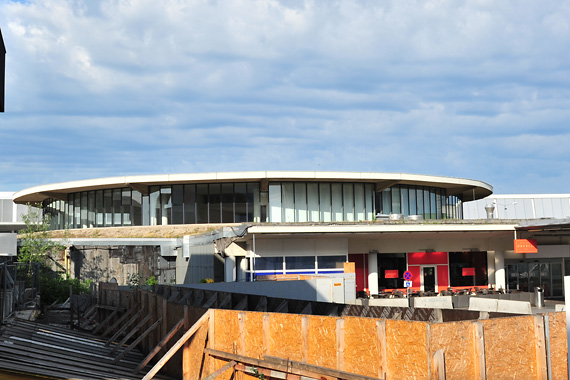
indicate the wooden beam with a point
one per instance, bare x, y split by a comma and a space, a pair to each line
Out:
137, 341
289, 366
383, 362
122, 329
221, 370
340, 344
106, 320
438, 364
479, 351
539, 342
131, 333
118, 322
160, 345
203, 319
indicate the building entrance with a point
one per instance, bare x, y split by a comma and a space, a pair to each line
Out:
525, 275
428, 279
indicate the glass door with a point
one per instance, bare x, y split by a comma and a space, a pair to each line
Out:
428, 279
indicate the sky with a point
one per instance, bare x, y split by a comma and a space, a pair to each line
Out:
469, 89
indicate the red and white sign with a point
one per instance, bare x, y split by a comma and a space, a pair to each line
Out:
526, 246
468, 272
391, 273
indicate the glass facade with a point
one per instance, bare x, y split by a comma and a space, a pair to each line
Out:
246, 202
276, 265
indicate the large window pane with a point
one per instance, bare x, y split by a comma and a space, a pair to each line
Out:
117, 207
189, 204
301, 201
126, 206
177, 204
83, 210
337, 212
215, 200
108, 208
253, 203
348, 196
288, 199
325, 201
137, 208
240, 202
359, 201
330, 262
91, 209
270, 264
412, 201
202, 203
295, 263
100, 208
313, 201
405, 206
369, 196
386, 201
396, 200
227, 203
275, 202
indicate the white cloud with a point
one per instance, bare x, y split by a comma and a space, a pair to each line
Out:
140, 86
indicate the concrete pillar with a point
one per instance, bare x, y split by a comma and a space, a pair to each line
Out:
500, 270
230, 269
242, 268
373, 273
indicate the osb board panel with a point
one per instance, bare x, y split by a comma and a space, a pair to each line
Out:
285, 339
194, 357
510, 348
321, 341
226, 330
406, 350
361, 348
253, 339
558, 345
456, 339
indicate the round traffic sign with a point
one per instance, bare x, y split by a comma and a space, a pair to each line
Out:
407, 275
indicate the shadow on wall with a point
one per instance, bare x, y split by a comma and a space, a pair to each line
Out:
204, 263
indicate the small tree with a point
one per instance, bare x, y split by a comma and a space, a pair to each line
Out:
35, 245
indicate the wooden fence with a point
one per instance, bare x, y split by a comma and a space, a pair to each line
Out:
197, 343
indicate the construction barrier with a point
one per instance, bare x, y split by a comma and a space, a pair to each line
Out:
214, 343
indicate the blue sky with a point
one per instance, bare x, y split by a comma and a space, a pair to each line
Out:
471, 89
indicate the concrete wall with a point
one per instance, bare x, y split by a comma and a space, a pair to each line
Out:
8, 243
334, 289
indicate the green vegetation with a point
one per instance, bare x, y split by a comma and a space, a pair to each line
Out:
38, 256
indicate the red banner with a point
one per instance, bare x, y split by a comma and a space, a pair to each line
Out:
526, 246
468, 271
391, 273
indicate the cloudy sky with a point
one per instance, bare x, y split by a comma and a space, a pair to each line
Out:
472, 89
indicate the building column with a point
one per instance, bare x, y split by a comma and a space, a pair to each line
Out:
500, 282
230, 269
373, 273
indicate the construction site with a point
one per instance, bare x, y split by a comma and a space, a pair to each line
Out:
167, 332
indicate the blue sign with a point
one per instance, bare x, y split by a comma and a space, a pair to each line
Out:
407, 275
408, 284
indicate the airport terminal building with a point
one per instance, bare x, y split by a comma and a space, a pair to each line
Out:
288, 223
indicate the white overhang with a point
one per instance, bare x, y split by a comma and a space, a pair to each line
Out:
466, 188
373, 228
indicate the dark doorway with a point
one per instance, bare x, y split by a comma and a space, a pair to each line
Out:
429, 279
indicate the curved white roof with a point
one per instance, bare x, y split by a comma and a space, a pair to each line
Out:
467, 188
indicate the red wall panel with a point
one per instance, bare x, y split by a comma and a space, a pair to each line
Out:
442, 277
425, 258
